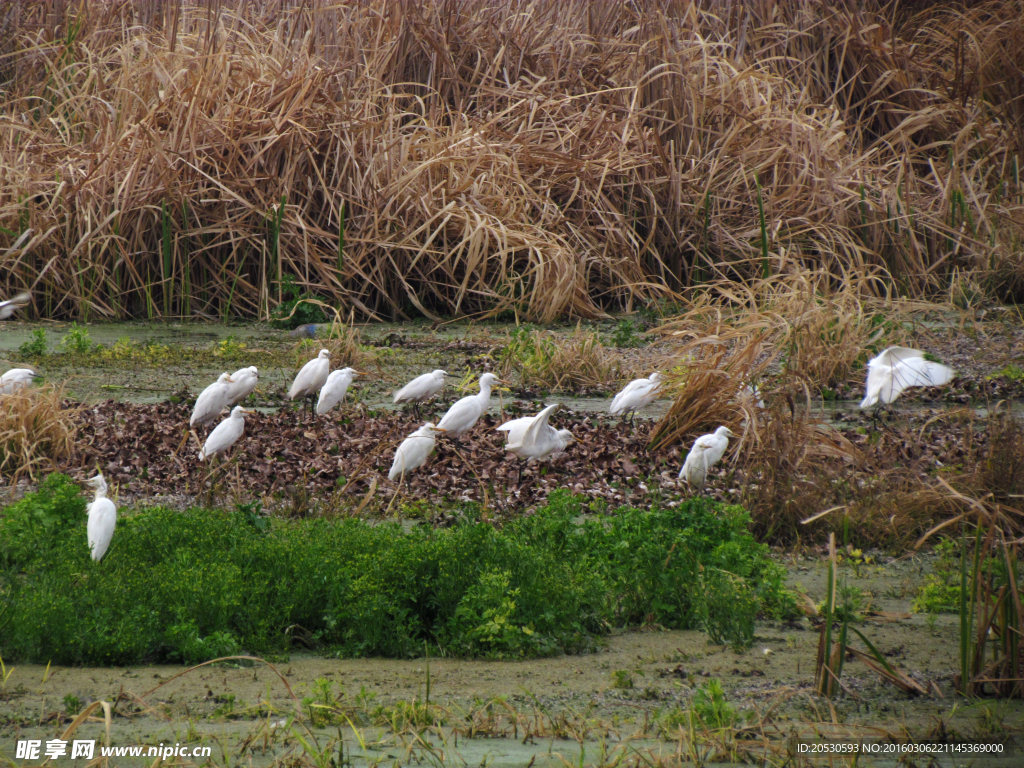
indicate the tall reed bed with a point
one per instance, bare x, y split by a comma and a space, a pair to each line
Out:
461, 156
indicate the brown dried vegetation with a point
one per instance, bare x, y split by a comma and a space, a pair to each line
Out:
470, 157
38, 429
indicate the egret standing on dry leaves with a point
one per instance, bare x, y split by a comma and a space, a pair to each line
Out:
695, 469
311, 377
15, 379
334, 390
899, 368
12, 305
534, 439
244, 381
211, 401
707, 451
225, 434
636, 395
464, 413
414, 451
102, 518
421, 388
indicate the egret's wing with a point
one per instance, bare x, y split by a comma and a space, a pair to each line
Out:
714, 448
539, 425
460, 412
891, 355
414, 388
879, 372
617, 402
916, 372
100, 528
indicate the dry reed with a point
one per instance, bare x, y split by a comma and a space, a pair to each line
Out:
175, 159
36, 431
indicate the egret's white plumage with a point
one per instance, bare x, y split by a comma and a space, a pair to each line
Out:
102, 518
244, 381
225, 434
414, 451
13, 304
533, 438
898, 368
695, 469
312, 376
707, 449
334, 390
421, 388
15, 379
464, 413
636, 395
751, 391
211, 401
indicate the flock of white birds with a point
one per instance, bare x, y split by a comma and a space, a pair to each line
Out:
530, 438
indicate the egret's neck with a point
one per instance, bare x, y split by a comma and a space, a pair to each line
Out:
101, 492
485, 392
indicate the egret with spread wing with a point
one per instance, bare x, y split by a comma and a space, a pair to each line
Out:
13, 304
534, 439
898, 368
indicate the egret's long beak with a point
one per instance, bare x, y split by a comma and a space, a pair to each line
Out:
361, 373
229, 379
438, 429
248, 410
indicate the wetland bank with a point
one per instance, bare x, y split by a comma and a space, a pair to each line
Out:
631, 689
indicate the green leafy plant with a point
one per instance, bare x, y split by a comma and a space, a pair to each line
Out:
76, 341
201, 584
710, 706
292, 298
36, 346
627, 334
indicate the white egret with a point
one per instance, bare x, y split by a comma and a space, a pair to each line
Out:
636, 395
211, 401
695, 469
244, 381
421, 388
751, 391
15, 379
899, 368
532, 438
414, 450
311, 377
12, 305
334, 390
225, 434
102, 518
707, 449
464, 413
